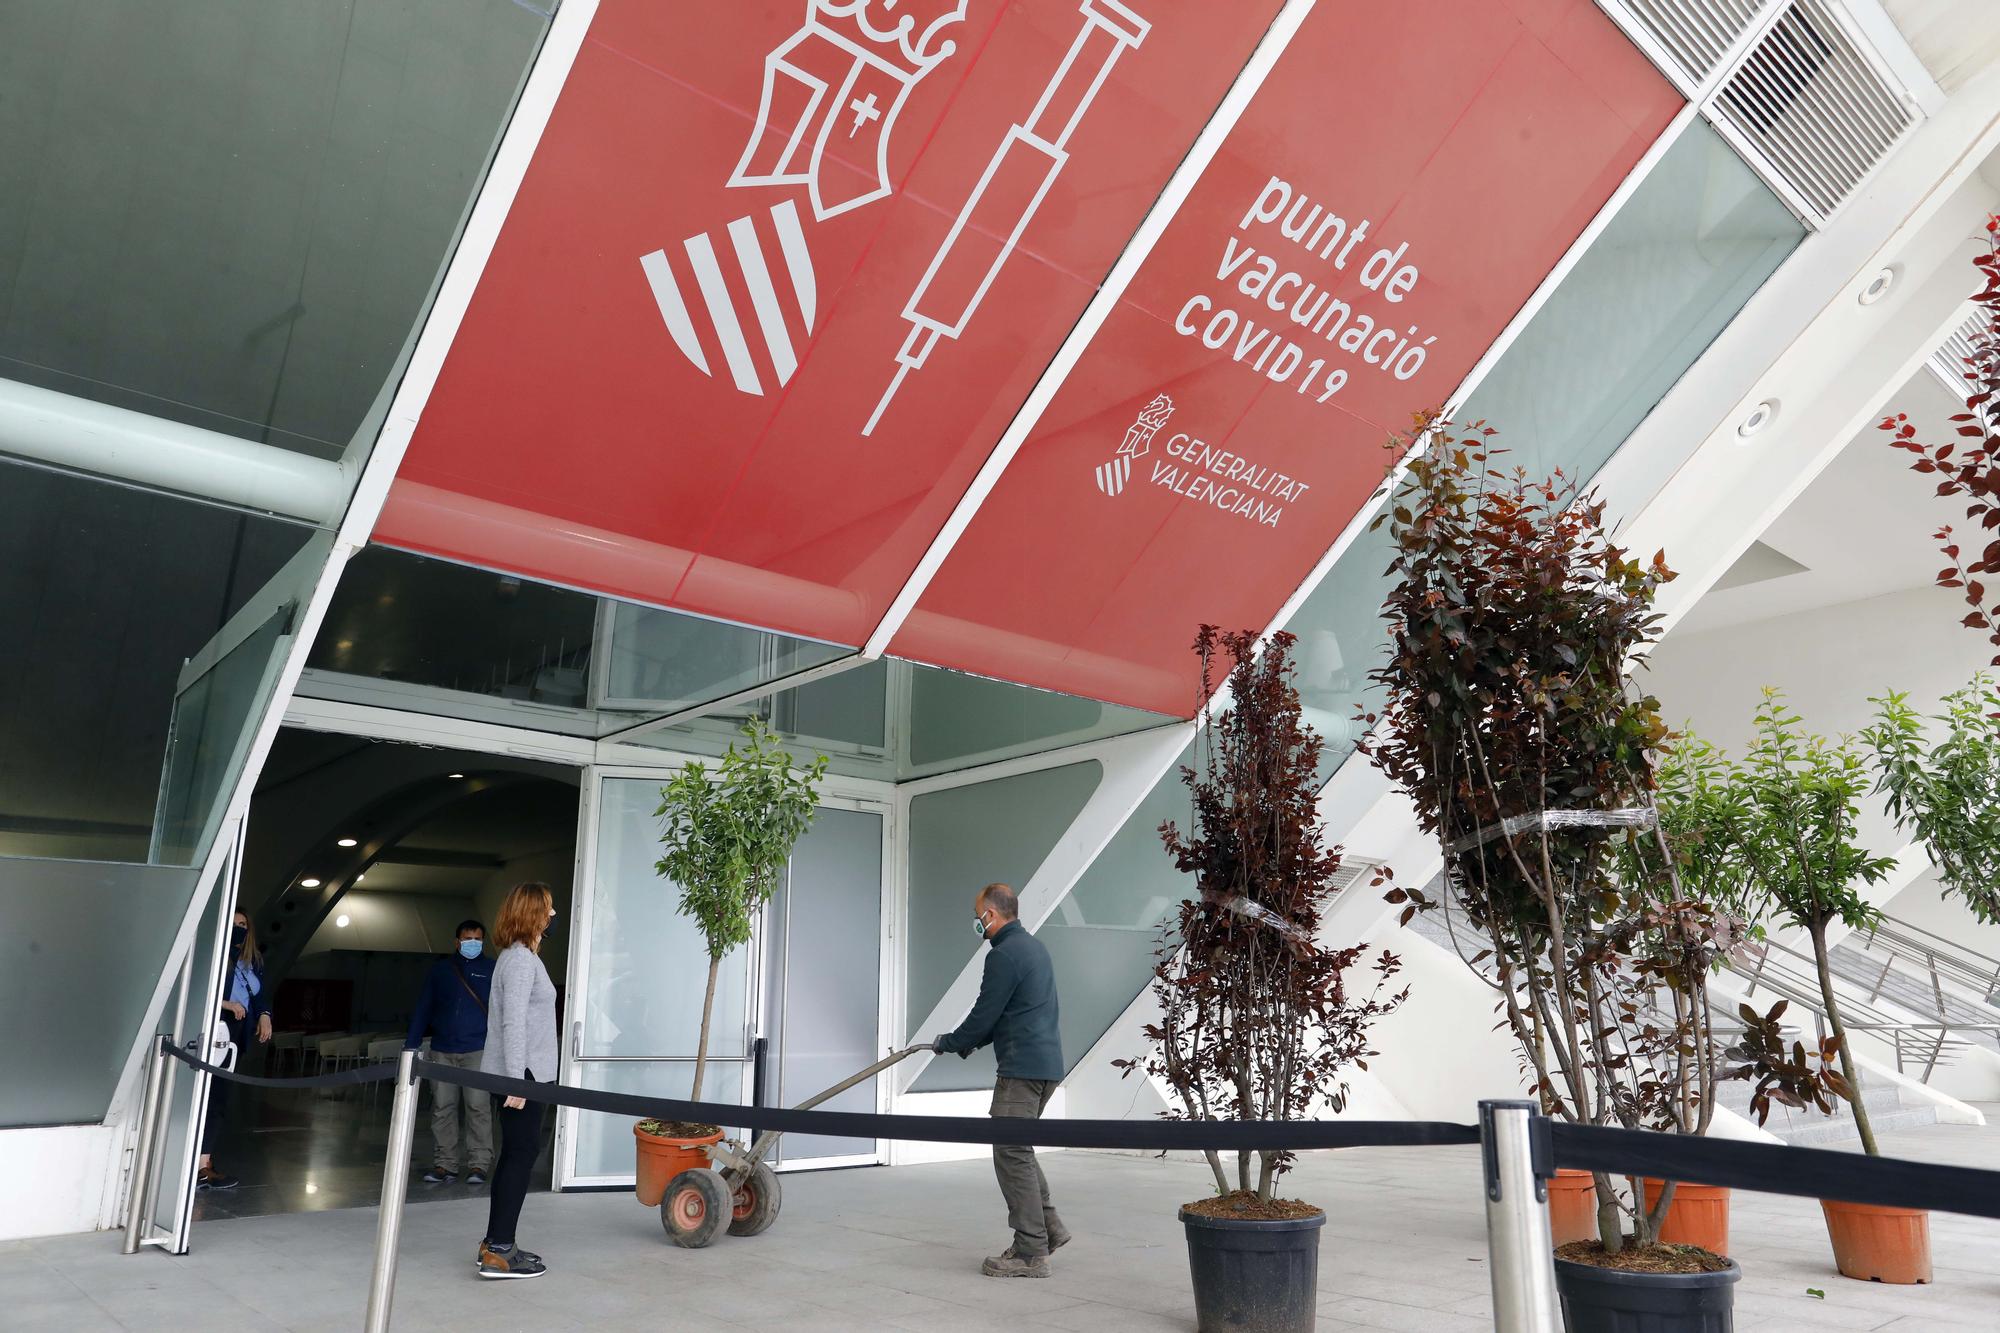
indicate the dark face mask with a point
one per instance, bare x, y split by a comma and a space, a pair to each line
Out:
236, 937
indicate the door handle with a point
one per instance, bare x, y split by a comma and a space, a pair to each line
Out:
576, 1040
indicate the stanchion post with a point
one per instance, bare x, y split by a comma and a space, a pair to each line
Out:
139, 1199
1519, 1250
395, 1184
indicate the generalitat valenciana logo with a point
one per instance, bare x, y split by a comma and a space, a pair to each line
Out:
1138, 442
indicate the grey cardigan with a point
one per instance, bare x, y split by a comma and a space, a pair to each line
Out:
521, 1018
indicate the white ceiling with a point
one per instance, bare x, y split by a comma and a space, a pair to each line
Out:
1861, 529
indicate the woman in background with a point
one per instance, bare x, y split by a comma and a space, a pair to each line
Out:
520, 1044
246, 1008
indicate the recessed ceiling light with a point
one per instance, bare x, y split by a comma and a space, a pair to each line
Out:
458, 775
358, 878
308, 883
341, 920
1878, 286
1760, 417
349, 842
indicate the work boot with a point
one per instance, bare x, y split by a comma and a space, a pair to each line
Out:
1009, 1264
509, 1261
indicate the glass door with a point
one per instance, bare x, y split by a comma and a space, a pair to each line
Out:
190, 1021
823, 1012
638, 969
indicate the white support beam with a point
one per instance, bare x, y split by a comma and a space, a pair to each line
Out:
106, 441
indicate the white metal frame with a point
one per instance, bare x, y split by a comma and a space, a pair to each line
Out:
837, 792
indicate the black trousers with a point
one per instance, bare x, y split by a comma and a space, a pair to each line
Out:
520, 1144
220, 1090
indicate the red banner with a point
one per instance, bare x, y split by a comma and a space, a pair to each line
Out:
742, 225
1405, 178
779, 276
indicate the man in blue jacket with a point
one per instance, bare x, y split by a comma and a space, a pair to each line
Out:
452, 1013
1016, 1012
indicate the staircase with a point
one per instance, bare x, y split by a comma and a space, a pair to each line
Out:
1887, 1109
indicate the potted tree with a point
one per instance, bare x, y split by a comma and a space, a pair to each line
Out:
1945, 790
1256, 1020
1510, 722
726, 836
1793, 828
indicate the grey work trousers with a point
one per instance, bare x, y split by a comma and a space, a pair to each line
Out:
1022, 1183
446, 1099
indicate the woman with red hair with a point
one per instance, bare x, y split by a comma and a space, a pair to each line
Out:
520, 1044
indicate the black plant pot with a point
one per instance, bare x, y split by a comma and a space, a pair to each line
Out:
1605, 1300
1254, 1276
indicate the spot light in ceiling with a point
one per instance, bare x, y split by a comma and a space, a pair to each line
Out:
341, 921
349, 842
1878, 287
309, 883
1760, 417
457, 775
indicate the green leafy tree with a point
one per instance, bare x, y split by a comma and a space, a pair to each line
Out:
1947, 791
727, 836
1795, 832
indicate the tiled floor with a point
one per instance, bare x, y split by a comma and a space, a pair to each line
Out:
321, 1149
1404, 1248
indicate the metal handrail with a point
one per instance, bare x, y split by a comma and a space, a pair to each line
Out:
1966, 967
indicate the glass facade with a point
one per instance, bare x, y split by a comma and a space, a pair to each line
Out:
230, 215
1672, 267
1686, 251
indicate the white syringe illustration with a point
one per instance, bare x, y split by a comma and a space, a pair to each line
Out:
1000, 207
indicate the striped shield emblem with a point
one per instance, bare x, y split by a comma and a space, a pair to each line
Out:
755, 297
1112, 476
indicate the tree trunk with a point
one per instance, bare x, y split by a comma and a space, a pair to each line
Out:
701, 1050
1267, 1176
1610, 1225
1243, 1169
1215, 1165
1847, 1069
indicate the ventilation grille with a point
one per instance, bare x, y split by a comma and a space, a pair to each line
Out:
1809, 102
1695, 33
1353, 870
1948, 362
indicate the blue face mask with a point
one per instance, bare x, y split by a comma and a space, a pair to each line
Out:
471, 948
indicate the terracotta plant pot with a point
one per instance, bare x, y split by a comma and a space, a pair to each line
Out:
661, 1159
1572, 1206
1699, 1215
1875, 1243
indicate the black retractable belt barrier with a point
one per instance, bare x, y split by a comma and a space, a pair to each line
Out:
1146, 1135
346, 1077
1813, 1173
1760, 1167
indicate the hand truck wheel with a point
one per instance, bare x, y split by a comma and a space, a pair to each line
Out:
695, 1208
756, 1202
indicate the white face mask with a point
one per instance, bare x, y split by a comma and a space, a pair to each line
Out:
979, 926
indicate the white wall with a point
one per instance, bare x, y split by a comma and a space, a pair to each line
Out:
59, 1179
389, 923
557, 869
1828, 661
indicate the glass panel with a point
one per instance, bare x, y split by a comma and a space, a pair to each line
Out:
1684, 254
190, 1013
110, 590
1104, 934
409, 631
210, 740
827, 1022
231, 214
660, 662
648, 965
75, 1020
604, 1142
962, 839
957, 721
